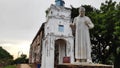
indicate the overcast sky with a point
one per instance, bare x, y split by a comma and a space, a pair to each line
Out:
21, 19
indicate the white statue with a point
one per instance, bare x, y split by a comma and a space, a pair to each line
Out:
82, 24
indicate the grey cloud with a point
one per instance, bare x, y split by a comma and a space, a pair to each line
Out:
21, 19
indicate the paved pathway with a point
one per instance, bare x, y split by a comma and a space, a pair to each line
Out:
24, 66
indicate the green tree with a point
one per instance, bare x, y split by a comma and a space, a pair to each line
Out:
110, 10
116, 41
103, 32
21, 59
5, 57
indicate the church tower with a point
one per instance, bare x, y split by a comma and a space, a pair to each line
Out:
59, 2
58, 39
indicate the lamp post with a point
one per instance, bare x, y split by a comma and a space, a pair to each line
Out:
19, 53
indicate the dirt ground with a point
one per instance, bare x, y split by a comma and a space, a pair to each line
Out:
24, 66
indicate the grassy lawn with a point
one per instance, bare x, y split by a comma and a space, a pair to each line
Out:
10, 66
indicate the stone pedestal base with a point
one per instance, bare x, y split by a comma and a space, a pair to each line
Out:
81, 60
83, 65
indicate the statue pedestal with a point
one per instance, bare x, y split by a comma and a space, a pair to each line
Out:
83, 65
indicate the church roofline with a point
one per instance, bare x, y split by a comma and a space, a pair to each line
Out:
60, 7
40, 29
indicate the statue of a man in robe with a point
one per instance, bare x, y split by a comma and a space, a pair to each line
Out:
82, 24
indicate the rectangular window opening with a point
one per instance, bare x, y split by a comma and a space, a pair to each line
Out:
61, 28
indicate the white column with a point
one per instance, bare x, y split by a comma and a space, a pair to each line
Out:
68, 47
72, 50
43, 63
50, 53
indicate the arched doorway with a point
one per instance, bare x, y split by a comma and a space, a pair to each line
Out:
60, 51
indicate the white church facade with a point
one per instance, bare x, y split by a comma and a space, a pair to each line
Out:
58, 39
54, 41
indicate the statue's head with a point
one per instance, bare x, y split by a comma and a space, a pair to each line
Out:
82, 11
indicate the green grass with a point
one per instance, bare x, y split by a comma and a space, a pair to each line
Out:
10, 66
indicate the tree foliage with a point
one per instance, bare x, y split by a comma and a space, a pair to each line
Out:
5, 57
4, 54
21, 59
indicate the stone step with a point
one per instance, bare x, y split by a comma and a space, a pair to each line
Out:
83, 65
